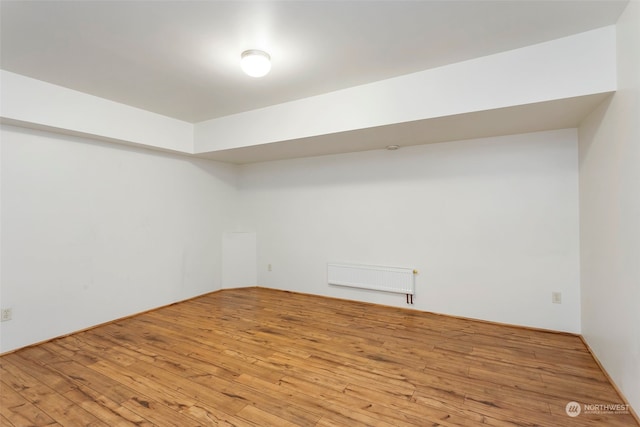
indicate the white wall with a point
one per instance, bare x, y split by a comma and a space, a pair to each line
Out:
34, 103
610, 218
491, 224
94, 231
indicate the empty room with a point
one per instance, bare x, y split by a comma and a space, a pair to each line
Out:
320, 213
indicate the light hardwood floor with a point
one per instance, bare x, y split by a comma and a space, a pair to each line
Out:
265, 357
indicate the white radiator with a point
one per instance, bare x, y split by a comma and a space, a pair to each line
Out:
388, 279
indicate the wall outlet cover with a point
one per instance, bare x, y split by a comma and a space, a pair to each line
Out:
6, 314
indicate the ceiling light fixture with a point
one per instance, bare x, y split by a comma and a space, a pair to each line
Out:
255, 63
392, 147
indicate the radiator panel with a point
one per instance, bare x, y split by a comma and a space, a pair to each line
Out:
387, 279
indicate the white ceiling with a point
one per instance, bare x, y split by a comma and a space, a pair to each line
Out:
181, 58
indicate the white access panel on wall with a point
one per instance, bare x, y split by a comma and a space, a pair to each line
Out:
239, 259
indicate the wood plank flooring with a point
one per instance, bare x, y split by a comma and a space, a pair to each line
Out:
260, 357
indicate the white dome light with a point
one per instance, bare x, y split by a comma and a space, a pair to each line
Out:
255, 63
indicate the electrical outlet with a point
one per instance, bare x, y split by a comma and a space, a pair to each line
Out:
556, 297
6, 314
